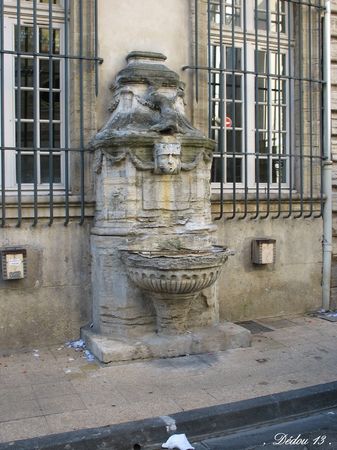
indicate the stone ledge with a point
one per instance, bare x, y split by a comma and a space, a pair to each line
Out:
211, 339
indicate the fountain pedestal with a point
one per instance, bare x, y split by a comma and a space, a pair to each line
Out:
154, 260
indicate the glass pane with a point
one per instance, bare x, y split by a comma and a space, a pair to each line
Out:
215, 81
229, 86
44, 73
27, 168
276, 63
231, 143
263, 142
215, 134
263, 170
278, 91
278, 143
27, 72
231, 8
215, 56
44, 40
278, 118
274, 4
44, 135
27, 105
230, 170
233, 58
27, 135
26, 39
279, 171
216, 114
44, 105
261, 17
237, 119
53, 2
45, 160
278, 23
262, 117
261, 61
262, 89
231, 14
216, 170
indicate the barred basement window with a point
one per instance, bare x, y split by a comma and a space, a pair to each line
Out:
34, 89
265, 119
264, 71
48, 74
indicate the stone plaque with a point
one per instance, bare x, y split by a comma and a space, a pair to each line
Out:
161, 193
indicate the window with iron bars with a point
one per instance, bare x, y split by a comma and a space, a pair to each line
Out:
48, 60
264, 73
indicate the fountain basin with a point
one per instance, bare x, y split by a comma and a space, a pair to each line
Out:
175, 272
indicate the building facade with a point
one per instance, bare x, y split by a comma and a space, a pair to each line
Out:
253, 82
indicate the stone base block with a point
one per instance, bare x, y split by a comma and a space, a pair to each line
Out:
217, 338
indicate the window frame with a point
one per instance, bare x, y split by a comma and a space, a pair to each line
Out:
10, 22
246, 39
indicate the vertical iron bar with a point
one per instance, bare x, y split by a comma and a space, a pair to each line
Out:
257, 149
18, 110
233, 114
300, 82
310, 111
2, 115
36, 141
245, 105
291, 110
196, 47
66, 113
81, 112
50, 113
320, 50
96, 45
209, 59
279, 107
221, 140
321, 106
269, 135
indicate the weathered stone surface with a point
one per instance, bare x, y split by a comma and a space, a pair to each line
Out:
209, 339
153, 195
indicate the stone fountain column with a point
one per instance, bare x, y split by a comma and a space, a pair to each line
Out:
154, 262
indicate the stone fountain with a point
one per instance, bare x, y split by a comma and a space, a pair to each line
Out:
154, 259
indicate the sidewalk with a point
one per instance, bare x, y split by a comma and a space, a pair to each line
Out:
57, 390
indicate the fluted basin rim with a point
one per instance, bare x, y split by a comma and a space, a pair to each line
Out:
183, 259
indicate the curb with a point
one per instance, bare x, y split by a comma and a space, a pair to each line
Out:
196, 424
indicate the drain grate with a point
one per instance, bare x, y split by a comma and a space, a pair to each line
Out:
254, 327
330, 316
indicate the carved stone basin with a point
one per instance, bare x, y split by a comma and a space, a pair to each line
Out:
173, 279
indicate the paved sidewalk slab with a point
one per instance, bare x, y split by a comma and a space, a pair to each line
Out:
200, 425
56, 390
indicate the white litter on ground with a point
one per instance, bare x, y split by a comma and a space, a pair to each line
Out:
178, 441
170, 423
80, 346
77, 345
88, 356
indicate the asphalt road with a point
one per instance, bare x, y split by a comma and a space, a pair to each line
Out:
315, 431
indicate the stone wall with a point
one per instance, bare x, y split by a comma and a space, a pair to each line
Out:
51, 304
291, 286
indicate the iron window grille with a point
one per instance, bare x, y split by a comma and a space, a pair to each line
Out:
263, 61
48, 78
